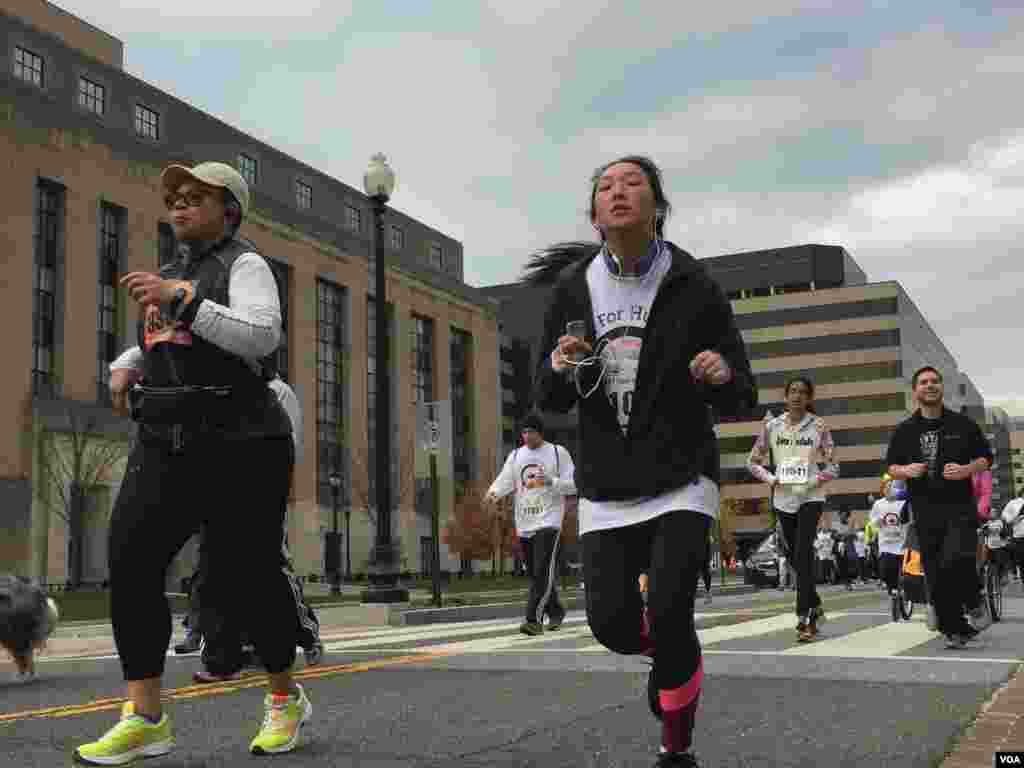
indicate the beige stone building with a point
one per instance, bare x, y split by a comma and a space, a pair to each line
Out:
81, 146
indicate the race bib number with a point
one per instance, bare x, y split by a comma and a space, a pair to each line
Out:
533, 503
794, 472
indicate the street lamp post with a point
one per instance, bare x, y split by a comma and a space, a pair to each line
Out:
348, 543
333, 550
379, 183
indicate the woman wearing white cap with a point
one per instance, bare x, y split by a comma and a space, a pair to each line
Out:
214, 448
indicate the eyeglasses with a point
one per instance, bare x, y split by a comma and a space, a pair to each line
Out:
192, 199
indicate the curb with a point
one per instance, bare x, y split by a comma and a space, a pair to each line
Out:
398, 615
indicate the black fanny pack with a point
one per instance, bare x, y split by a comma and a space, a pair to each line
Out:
188, 405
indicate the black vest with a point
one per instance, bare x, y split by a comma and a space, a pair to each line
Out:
168, 362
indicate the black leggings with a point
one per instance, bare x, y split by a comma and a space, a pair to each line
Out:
671, 550
239, 489
799, 530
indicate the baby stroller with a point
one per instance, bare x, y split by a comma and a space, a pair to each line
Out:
912, 588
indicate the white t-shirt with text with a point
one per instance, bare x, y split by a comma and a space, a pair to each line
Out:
621, 306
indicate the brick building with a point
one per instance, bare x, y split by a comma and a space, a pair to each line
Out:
82, 144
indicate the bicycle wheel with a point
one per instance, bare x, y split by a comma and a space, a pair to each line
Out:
994, 591
906, 606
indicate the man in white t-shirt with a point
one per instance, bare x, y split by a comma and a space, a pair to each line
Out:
540, 474
886, 516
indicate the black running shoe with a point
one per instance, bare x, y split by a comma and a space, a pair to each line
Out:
676, 760
555, 624
532, 628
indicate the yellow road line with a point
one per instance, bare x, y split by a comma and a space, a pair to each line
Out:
199, 691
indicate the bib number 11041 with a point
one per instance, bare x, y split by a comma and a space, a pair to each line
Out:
794, 472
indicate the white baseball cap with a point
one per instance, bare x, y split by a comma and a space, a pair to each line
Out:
220, 175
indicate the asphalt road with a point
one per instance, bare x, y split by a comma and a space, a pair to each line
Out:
474, 694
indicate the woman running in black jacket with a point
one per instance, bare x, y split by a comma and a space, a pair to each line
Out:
651, 349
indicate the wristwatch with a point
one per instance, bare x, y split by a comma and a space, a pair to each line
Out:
179, 302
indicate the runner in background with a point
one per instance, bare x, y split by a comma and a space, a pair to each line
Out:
886, 518
799, 445
540, 474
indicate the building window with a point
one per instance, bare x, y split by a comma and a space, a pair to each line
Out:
436, 256
108, 338
167, 246
330, 386
423, 359
353, 218
303, 195
147, 122
248, 168
283, 274
92, 96
397, 239
461, 346
47, 235
28, 66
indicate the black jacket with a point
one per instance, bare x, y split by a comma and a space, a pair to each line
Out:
670, 440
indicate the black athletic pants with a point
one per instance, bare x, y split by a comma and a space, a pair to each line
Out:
948, 540
707, 569
799, 530
541, 551
239, 489
889, 567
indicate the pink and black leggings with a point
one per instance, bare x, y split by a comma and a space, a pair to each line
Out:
671, 549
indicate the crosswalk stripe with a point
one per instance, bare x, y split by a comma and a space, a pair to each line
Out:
741, 629
874, 642
389, 636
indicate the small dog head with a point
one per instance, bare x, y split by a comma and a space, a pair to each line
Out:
27, 616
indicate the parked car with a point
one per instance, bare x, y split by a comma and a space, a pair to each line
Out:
762, 567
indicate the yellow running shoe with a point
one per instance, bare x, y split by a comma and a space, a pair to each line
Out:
133, 737
282, 722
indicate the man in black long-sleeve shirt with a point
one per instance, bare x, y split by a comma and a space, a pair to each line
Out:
938, 451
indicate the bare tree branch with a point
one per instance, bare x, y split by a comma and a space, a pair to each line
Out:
71, 471
361, 484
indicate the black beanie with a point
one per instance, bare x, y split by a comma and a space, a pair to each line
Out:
532, 420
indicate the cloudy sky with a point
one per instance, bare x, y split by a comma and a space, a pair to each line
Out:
895, 129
